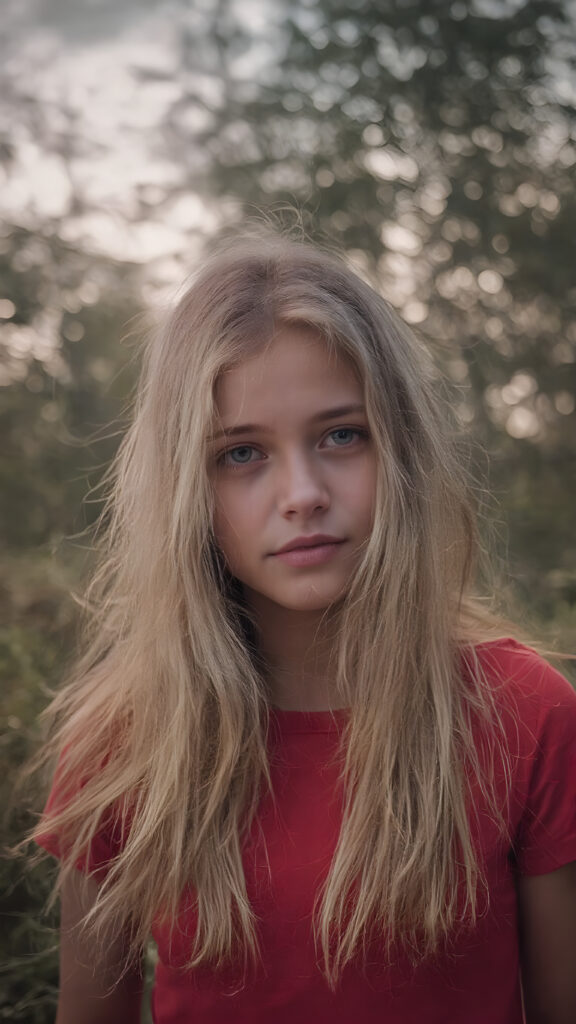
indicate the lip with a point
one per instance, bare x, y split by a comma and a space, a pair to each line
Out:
304, 552
313, 540
304, 558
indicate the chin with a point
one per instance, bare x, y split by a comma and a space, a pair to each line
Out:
310, 606
313, 602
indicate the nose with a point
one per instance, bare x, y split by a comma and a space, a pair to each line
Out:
302, 489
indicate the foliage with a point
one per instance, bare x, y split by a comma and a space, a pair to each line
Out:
28, 943
60, 419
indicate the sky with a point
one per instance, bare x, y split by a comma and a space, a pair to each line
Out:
80, 56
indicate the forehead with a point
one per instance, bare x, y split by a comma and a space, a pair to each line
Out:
296, 369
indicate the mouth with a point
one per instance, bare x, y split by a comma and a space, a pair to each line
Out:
308, 551
312, 540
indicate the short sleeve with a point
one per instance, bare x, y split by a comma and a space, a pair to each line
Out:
101, 850
546, 836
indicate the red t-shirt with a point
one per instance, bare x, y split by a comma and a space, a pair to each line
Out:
475, 979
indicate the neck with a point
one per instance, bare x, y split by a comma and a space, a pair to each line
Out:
298, 649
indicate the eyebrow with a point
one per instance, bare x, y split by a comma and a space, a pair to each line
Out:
319, 417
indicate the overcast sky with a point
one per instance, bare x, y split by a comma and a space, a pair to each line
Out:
80, 54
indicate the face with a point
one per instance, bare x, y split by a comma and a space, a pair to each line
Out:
293, 473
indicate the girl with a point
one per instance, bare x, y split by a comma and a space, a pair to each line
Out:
297, 750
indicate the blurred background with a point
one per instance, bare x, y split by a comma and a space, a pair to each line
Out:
435, 142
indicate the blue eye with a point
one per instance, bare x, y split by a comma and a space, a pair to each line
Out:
344, 436
241, 455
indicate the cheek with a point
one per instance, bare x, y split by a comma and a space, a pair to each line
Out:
362, 491
231, 524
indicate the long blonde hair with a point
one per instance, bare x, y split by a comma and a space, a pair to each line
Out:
162, 731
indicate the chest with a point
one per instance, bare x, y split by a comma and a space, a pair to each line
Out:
292, 841
286, 859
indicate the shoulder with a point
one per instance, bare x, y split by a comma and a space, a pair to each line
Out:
536, 707
519, 678
533, 702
